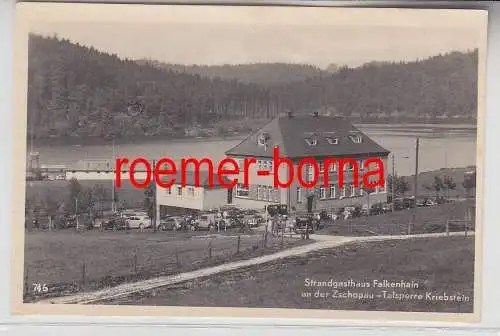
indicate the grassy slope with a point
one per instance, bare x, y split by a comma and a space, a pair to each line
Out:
437, 264
57, 258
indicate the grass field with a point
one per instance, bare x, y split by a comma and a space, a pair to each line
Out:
68, 261
427, 220
437, 265
59, 190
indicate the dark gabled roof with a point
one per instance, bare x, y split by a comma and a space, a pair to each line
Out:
290, 135
190, 178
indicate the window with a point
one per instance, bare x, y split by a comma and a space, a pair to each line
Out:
361, 191
383, 188
277, 195
241, 191
190, 191
333, 168
270, 196
343, 191
360, 165
321, 167
310, 173
169, 191
299, 195
311, 139
332, 138
179, 191
356, 138
332, 191
262, 194
262, 139
270, 165
353, 191
322, 193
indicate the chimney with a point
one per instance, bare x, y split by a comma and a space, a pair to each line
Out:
315, 114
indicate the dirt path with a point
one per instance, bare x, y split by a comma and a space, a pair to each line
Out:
320, 242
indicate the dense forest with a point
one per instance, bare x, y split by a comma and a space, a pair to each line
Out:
266, 74
77, 91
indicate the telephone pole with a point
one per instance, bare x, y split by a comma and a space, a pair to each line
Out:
113, 164
393, 180
415, 181
154, 195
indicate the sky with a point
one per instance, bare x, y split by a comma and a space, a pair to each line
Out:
233, 36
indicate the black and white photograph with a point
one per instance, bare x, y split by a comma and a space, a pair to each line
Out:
248, 161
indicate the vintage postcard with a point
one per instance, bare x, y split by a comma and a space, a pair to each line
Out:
232, 161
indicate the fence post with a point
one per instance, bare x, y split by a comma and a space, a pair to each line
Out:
84, 269
238, 245
210, 249
466, 227
409, 228
177, 256
265, 239
135, 263
447, 228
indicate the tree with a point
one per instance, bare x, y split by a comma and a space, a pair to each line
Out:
449, 185
149, 203
74, 195
437, 186
99, 195
469, 183
401, 185
51, 207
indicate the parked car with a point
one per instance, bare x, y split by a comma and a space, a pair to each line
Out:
171, 224
115, 223
138, 221
205, 222
254, 220
301, 223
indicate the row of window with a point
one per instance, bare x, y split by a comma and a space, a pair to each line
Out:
312, 139
268, 193
264, 193
332, 192
189, 191
268, 166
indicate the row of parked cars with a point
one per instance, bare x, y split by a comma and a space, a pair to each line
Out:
215, 220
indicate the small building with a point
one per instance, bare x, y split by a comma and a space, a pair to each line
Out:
308, 136
192, 195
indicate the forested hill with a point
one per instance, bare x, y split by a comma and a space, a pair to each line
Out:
267, 74
75, 91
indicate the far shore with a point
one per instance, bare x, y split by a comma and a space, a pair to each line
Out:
90, 141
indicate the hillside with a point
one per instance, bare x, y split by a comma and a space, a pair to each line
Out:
267, 74
80, 92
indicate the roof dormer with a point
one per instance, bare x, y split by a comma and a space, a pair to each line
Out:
332, 138
263, 138
356, 137
311, 139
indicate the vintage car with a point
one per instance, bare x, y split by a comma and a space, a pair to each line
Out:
303, 222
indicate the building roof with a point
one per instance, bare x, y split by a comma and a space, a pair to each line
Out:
191, 181
307, 136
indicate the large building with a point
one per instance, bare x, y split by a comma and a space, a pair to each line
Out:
299, 137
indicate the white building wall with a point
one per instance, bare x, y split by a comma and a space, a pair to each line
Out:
94, 175
186, 200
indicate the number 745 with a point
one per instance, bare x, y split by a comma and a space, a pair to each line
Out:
40, 288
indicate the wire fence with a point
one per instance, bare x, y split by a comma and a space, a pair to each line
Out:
98, 266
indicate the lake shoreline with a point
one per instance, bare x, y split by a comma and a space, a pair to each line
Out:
458, 129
